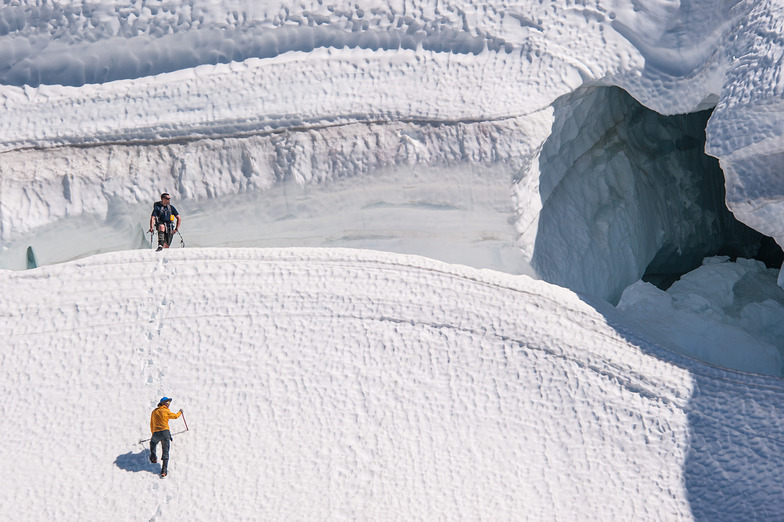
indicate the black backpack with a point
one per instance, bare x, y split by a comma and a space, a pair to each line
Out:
162, 214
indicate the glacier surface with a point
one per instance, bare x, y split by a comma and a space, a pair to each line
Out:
562, 140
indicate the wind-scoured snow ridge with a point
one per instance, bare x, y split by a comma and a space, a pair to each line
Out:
256, 97
520, 59
120, 59
355, 384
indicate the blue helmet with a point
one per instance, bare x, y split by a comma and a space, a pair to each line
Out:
164, 399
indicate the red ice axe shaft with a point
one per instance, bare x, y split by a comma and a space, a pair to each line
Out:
186, 422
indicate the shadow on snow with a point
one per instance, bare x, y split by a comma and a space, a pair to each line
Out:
137, 462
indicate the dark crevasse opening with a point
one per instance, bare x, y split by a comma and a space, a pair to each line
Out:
628, 193
723, 234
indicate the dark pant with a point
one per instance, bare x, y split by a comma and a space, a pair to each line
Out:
165, 237
164, 437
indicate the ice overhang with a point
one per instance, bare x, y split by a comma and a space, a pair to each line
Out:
628, 193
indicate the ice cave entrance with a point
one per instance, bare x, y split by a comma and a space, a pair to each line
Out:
628, 193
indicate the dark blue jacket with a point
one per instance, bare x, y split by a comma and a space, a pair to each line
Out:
163, 213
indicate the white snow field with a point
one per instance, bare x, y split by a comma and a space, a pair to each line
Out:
348, 384
421, 238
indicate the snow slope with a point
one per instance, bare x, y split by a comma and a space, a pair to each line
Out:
348, 384
488, 135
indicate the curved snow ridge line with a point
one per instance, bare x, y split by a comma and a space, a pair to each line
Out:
257, 95
556, 297
633, 373
326, 342
313, 391
626, 376
38, 61
439, 286
241, 128
549, 298
641, 369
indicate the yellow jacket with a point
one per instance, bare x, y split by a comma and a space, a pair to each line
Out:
159, 420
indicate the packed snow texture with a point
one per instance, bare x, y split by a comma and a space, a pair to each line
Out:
490, 135
347, 384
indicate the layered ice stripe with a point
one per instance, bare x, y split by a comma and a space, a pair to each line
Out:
459, 61
34, 62
310, 66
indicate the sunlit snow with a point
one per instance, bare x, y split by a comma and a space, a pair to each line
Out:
442, 260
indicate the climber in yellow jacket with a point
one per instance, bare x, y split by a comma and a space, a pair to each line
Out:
159, 426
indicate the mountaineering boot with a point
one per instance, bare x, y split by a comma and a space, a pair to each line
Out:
165, 468
153, 458
160, 247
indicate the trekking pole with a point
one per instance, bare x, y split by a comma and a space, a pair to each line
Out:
178, 433
186, 422
151, 236
182, 241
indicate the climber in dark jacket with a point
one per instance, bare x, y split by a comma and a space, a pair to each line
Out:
165, 220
